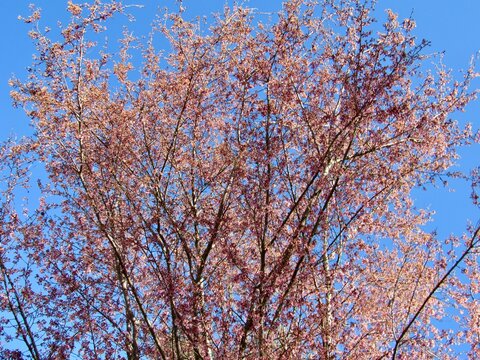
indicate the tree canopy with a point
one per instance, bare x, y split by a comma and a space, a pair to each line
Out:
244, 194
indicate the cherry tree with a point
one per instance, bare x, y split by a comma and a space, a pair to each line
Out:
244, 195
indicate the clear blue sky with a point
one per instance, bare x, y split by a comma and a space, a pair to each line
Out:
451, 26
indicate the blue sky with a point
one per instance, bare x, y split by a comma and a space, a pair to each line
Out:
451, 26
